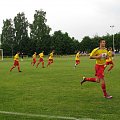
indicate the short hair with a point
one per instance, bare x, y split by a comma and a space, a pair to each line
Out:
101, 40
18, 51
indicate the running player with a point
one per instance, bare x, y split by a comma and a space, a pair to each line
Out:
16, 62
34, 58
100, 55
41, 59
77, 59
50, 60
109, 60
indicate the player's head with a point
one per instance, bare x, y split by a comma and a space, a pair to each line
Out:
42, 51
102, 42
110, 48
53, 51
18, 52
35, 53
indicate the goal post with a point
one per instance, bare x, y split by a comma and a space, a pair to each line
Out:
1, 54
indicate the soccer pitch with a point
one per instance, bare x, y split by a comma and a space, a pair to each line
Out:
55, 93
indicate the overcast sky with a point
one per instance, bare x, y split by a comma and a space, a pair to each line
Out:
78, 18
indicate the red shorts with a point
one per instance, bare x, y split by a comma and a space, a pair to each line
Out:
50, 60
77, 61
16, 63
99, 71
41, 60
34, 60
110, 62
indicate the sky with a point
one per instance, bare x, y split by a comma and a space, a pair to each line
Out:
79, 18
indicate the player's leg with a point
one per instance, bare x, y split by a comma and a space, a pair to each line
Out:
103, 86
48, 62
34, 61
12, 68
111, 67
51, 61
106, 64
91, 79
38, 63
14, 65
18, 67
76, 63
43, 64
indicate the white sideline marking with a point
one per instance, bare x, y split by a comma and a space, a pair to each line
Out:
43, 116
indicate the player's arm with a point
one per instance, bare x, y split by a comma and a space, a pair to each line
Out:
94, 55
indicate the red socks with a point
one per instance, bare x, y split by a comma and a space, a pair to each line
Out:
91, 79
103, 86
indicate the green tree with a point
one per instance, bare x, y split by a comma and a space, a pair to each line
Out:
86, 44
8, 37
63, 44
21, 33
117, 42
39, 34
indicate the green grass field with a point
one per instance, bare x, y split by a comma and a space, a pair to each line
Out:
55, 93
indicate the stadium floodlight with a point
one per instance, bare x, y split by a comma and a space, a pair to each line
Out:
112, 26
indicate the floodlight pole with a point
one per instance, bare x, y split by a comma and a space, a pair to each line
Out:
113, 38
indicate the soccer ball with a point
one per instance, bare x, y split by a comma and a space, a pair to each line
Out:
104, 55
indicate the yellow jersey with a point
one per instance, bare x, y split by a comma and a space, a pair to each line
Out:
77, 57
51, 55
110, 54
34, 56
41, 55
102, 52
16, 57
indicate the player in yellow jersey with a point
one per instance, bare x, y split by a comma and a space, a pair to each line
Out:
109, 60
41, 55
77, 59
100, 54
16, 62
34, 58
50, 59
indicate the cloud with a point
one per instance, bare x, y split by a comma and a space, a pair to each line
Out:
77, 17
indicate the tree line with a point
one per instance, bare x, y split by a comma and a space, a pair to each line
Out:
20, 35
